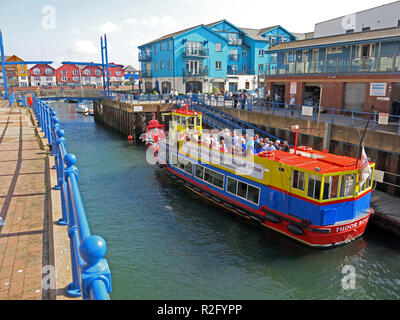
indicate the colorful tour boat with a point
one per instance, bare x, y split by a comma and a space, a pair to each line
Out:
317, 198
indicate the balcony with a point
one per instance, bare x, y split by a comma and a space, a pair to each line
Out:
194, 53
232, 72
235, 42
195, 72
234, 57
144, 56
381, 64
145, 74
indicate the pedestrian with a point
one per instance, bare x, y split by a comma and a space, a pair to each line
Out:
243, 99
291, 103
235, 100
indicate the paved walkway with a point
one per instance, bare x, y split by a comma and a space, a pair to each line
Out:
24, 236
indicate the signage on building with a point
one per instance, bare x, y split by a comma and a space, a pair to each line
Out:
377, 89
307, 111
383, 118
137, 108
293, 87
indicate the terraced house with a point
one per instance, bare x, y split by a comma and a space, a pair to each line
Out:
17, 75
208, 58
351, 63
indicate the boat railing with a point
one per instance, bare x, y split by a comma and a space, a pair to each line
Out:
91, 277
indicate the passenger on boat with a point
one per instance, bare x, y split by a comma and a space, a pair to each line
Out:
285, 146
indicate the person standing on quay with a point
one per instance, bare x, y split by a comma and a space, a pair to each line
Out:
243, 100
292, 102
235, 99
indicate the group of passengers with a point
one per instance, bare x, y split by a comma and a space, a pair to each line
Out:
228, 141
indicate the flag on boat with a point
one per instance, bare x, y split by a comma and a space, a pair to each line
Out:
365, 172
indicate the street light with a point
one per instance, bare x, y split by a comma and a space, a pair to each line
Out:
296, 130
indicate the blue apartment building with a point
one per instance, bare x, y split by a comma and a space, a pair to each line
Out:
209, 58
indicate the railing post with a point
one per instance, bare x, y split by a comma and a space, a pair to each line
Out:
53, 130
73, 289
352, 118
96, 275
333, 115
374, 123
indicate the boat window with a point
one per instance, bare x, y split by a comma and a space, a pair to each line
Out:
199, 171
298, 180
191, 122
253, 194
210, 176
185, 165
368, 183
175, 119
314, 186
347, 185
198, 121
331, 187
243, 190
232, 185
174, 159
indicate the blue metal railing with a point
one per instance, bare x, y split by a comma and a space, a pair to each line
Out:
91, 277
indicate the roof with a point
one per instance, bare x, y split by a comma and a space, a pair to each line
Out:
130, 69
365, 10
337, 39
254, 34
171, 35
326, 163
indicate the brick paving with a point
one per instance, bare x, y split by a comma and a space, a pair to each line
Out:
24, 236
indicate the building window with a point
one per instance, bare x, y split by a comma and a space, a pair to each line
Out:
247, 85
366, 29
218, 47
244, 53
97, 72
161, 46
169, 45
87, 72
315, 54
155, 66
155, 48
49, 71
261, 53
75, 72
243, 190
348, 31
22, 71
117, 73
162, 65
169, 65
64, 79
218, 65
36, 71
63, 72
334, 50
76, 78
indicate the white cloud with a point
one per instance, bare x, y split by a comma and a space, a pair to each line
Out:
109, 27
85, 46
155, 21
75, 31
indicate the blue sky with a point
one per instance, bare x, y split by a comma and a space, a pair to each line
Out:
72, 33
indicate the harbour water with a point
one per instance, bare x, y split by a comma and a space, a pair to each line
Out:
167, 243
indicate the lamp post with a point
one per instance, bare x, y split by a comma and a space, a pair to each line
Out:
296, 130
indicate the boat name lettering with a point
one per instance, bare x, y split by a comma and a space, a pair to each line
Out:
352, 226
